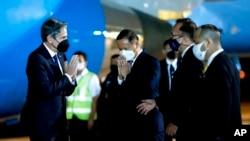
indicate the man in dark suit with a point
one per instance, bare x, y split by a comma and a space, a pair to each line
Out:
138, 76
50, 80
184, 81
168, 67
218, 105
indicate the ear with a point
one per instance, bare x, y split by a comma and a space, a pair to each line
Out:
186, 38
49, 39
137, 44
209, 41
163, 51
86, 63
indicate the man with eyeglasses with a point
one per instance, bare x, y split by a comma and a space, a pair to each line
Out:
184, 82
187, 75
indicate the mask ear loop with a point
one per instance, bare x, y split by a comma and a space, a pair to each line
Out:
202, 43
205, 51
53, 44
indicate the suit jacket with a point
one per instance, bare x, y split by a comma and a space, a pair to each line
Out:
164, 99
219, 103
184, 87
141, 83
43, 113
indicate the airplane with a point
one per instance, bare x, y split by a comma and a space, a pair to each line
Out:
93, 26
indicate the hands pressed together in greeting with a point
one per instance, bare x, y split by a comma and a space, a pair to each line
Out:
123, 67
71, 68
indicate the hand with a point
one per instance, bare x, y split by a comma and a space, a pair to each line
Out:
146, 106
90, 124
71, 68
123, 67
171, 129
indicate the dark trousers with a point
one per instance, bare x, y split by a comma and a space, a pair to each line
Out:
168, 138
63, 137
78, 130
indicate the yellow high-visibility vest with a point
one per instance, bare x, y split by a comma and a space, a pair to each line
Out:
80, 102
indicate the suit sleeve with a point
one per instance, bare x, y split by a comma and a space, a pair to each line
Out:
45, 81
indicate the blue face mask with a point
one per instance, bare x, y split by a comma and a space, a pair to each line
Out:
174, 44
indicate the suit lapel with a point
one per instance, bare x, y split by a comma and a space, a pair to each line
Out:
61, 60
138, 59
49, 59
46, 55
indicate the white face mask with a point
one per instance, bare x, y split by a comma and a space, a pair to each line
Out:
128, 54
200, 55
80, 66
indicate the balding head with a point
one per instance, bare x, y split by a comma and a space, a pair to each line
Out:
208, 31
208, 36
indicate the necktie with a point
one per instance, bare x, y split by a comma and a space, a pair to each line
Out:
171, 70
205, 68
179, 58
56, 60
130, 62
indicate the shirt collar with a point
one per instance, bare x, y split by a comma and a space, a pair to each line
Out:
185, 50
213, 55
137, 55
52, 53
172, 62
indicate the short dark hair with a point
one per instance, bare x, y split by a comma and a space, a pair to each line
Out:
81, 53
127, 34
115, 56
51, 27
188, 28
181, 20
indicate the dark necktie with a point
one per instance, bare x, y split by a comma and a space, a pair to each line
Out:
171, 70
179, 58
56, 61
130, 63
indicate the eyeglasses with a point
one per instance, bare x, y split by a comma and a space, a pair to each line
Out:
211, 27
176, 36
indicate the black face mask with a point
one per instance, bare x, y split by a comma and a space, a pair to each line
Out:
63, 46
171, 54
174, 44
114, 69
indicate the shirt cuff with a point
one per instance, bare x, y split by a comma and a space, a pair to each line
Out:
70, 79
119, 81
